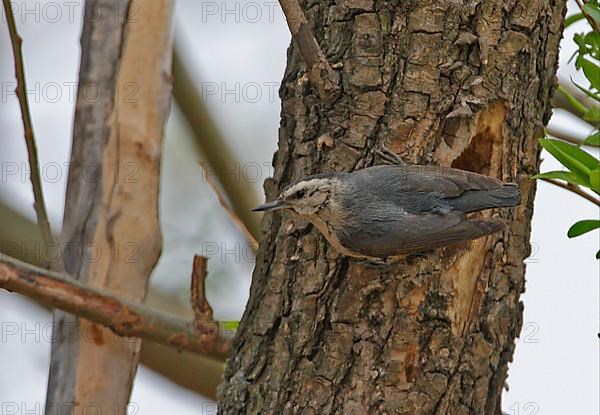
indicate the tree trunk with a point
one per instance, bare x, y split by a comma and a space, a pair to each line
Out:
462, 84
111, 231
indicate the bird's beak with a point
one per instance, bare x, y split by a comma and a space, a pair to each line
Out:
274, 205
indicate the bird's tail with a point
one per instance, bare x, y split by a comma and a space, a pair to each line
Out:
506, 195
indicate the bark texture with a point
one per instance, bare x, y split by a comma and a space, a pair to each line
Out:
455, 83
111, 224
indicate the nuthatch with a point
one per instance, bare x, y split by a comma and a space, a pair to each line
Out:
392, 210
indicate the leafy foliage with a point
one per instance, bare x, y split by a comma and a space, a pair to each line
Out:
582, 169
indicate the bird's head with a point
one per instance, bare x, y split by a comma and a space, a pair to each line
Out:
305, 197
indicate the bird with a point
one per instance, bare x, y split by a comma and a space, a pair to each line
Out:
390, 211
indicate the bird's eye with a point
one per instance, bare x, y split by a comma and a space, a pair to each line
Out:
299, 194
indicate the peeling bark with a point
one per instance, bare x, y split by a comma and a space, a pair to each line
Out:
463, 84
111, 215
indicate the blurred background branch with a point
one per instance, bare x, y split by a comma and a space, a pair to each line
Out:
198, 372
212, 146
34, 165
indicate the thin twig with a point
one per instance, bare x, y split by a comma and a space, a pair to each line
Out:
232, 215
21, 90
589, 18
575, 189
202, 310
123, 317
322, 75
573, 104
213, 147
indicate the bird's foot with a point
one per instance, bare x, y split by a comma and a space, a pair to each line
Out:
378, 261
419, 255
387, 156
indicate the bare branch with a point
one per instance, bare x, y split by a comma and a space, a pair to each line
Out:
212, 145
202, 310
589, 18
21, 90
575, 189
232, 215
123, 317
322, 75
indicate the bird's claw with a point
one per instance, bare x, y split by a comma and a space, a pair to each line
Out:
388, 156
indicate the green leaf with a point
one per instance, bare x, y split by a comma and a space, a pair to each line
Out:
592, 114
230, 326
584, 48
567, 176
593, 40
583, 226
593, 11
591, 72
593, 140
579, 39
586, 158
595, 180
570, 156
598, 255
573, 18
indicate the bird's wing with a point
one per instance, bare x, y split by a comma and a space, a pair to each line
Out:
443, 181
408, 189
416, 233
452, 182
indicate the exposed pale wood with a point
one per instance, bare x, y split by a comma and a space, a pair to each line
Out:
462, 84
20, 239
114, 216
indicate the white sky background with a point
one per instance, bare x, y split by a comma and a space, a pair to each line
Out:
555, 368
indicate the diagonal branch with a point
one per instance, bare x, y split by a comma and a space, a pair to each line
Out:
589, 18
213, 146
573, 188
21, 90
322, 75
237, 221
123, 317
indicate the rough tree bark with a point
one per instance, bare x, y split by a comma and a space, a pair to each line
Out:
111, 224
454, 83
